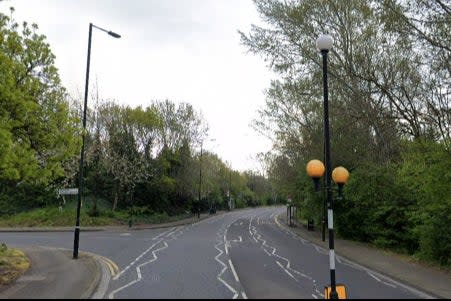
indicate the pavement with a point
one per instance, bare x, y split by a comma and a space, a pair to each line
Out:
435, 282
54, 274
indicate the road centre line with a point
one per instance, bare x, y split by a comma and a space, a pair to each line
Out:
138, 272
175, 230
233, 271
224, 268
286, 271
145, 252
273, 253
136, 259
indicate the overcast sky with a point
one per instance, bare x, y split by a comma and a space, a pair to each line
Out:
181, 50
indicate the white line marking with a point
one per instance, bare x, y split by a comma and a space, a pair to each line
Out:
379, 280
162, 233
286, 271
223, 269
269, 254
137, 258
138, 272
233, 271
244, 295
170, 233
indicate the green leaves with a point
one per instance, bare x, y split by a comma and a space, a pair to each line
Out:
36, 125
388, 84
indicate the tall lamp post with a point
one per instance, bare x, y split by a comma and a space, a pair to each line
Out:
230, 189
316, 169
80, 173
200, 175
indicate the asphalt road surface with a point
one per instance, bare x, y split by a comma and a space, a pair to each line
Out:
237, 255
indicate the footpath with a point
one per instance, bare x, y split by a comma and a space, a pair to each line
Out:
431, 280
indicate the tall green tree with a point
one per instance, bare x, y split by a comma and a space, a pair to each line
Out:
38, 131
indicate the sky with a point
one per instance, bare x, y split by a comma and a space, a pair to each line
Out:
181, 50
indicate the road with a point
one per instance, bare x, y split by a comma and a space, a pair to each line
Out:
236, 255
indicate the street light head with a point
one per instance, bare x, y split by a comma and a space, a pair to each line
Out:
340, 175
315, 169
324, 42
113, 34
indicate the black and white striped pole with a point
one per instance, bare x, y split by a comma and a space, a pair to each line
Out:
316, 168
324, 44
340, 175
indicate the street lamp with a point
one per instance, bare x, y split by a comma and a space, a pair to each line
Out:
80, 173
230, 189
324, 44
200, 175
340, 175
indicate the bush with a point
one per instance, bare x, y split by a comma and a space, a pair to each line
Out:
376, 209
426, 169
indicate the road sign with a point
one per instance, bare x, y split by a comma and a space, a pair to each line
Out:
68, 191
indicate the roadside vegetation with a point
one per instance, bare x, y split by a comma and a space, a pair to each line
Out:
13, 263
390, 115
143, 162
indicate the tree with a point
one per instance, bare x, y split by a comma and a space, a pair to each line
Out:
38, 132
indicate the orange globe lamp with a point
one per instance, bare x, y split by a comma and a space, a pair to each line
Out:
340, 175
315, 169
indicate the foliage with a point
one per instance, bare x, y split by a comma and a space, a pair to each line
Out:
36, 126
426, 170
38, 133
13, 263
389, 113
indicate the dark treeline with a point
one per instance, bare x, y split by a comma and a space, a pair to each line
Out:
150, 158
145, 158
390, 115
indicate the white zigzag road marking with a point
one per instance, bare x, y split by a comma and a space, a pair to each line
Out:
287, 268
138, 268
138, 271
224, 267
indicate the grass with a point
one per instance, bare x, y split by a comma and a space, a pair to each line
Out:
13, 263
54, 217
51, 217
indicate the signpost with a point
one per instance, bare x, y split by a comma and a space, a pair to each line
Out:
66, 191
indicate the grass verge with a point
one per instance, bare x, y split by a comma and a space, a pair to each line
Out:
13, 263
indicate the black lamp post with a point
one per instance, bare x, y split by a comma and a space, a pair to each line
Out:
324, 44
200, 179
200, 174
80, 173
315, 168
230, 189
